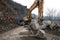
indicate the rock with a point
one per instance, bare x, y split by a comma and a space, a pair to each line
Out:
47, 22
35, 25
41, 34
37, 29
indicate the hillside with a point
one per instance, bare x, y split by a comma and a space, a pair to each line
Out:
10, 13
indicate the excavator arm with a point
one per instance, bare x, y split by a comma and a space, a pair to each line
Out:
40, 10
36, 3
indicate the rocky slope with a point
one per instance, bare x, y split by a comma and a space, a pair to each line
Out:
10, 13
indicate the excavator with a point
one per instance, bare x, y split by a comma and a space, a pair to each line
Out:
32, 26
35, 27
39, 4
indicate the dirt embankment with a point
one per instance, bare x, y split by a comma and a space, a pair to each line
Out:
10, 13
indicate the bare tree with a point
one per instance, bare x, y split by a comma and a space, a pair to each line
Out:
51, 14
58, 15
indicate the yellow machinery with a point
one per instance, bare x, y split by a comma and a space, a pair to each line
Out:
39, 4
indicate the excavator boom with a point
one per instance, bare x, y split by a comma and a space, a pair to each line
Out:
36, 3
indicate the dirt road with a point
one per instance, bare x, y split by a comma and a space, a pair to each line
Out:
15, 35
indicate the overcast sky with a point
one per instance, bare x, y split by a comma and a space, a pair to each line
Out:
48, 4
